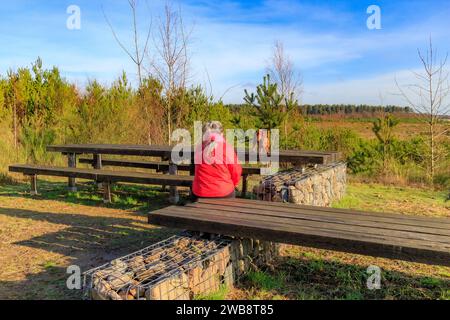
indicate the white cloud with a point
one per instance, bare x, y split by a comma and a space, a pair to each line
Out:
236, 53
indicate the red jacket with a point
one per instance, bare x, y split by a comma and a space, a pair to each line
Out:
217, 169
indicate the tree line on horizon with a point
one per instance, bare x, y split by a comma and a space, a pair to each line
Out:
344, 109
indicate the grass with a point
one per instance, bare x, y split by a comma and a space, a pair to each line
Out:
265, 281
405, 200
363, 127
40, 236
311, 274
220, 294
5, 179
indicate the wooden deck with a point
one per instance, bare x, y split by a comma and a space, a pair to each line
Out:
419, 239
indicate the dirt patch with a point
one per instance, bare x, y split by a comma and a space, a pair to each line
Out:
40, 238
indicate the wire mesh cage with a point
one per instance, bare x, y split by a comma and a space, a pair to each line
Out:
179, 268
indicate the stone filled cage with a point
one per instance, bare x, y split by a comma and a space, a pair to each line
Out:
182, 267
317, 185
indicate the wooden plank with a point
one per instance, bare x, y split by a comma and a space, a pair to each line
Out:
364, 232
439, 221
144, 178
88, 174
134, 150
155, 165
304, 215
335, 155
104, 175
293, 210
318, 238
159, 166
275, 225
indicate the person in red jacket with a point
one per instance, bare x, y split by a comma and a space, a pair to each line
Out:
217, 169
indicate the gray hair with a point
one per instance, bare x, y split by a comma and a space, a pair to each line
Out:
213, 127
208, 129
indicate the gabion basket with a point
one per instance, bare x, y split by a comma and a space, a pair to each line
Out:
182, 267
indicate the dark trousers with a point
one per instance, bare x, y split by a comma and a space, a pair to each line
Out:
230, 196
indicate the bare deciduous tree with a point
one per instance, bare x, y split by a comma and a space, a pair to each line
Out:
429, 98
282, 70
138, 53
171, 61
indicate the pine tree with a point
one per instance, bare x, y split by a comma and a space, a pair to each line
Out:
383, 128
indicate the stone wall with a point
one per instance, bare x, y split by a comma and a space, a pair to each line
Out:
317, 185
180, 268
223, 268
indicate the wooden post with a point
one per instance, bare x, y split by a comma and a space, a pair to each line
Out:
244, 184
106, 192
163, 187
174, 196
72, 163
192, 173
97, 164
192, 170
33, 181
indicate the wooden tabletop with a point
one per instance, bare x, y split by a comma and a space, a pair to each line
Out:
411, 238
165, 151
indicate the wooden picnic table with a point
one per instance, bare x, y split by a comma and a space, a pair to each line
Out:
164, 152
97, 150
412, 238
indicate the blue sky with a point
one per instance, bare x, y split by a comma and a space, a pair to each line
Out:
341, 60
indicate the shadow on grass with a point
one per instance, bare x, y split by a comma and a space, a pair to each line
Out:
84, 232
47, 285
139, 198
87, 241
314, 278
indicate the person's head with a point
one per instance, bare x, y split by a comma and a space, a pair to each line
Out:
212, 127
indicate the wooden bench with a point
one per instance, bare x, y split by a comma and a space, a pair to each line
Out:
411, 238
98, 163
103, 176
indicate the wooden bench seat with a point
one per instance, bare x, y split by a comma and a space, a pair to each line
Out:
164, 167
103, 176
157, 165
419, 239
154, 165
